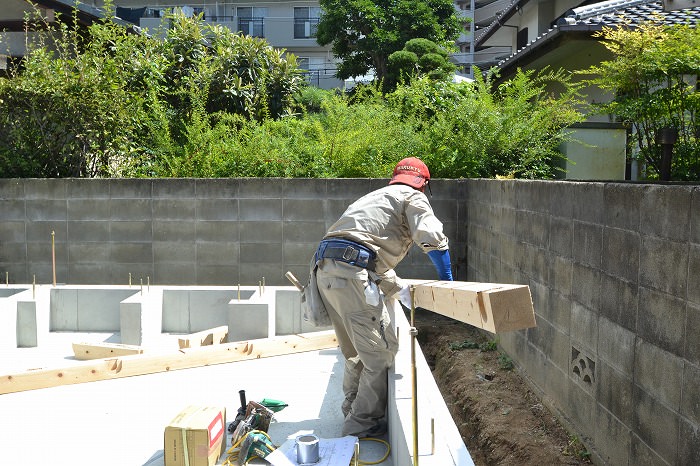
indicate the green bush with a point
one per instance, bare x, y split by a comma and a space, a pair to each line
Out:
419, 57
70, 110
345, 140
403, 61
431, 61
310, 99
105, 102
420, 47
468, 130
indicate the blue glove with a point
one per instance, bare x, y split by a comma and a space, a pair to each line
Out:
441, 261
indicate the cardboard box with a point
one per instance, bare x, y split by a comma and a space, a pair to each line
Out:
493, 307
196, 437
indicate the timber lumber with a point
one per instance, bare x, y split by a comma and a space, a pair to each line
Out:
212, 336
84, 351
494, 307
185, 358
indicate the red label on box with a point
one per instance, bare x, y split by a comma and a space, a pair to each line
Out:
216, 430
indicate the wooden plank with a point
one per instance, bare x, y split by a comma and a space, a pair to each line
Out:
508, 307
141, 364
100, 350
494, 307
212, 336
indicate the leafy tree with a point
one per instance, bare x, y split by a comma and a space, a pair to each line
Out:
420, 57
249, 77
653, 78
363, 33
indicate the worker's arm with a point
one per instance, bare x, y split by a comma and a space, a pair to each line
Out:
442, 263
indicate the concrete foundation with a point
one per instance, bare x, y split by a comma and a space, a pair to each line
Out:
141, 317
45, 313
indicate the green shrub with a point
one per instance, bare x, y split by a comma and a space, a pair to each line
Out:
468, 130
111, 103
420, 47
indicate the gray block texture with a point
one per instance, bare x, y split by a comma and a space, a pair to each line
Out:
618, 290
184, 231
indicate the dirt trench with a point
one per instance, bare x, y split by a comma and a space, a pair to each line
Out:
501, 420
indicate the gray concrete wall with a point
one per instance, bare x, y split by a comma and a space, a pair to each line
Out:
614, 271
186, 231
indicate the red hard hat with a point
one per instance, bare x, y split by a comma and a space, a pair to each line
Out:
411, 171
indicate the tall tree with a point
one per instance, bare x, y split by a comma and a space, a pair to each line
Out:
363, 33
653, 78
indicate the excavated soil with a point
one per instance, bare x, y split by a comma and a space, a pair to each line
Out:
500, 418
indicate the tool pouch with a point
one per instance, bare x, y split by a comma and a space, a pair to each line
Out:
312, 307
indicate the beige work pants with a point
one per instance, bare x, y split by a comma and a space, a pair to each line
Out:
366, 340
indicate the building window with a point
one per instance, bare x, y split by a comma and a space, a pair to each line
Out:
521, 40
306, 22
251, 20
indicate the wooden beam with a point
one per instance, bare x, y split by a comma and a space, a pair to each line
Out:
100, 350
493, 307
212, 336
141, 364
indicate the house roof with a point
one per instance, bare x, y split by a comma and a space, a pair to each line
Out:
617, 12
584, 20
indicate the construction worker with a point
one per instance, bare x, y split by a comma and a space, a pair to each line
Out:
356, 259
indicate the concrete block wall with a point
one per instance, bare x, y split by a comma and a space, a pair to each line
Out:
186, 231
614, 270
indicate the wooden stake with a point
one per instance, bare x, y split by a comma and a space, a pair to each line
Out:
53, 256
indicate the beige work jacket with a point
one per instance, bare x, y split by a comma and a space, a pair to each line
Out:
390, 220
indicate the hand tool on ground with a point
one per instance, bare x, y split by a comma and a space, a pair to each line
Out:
254, 444
257, 417
240, 415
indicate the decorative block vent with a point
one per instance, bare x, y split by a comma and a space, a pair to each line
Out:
582, 368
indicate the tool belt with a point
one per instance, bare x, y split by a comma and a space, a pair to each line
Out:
347, 251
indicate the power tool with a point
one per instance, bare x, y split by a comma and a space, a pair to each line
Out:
256, 443
240, 415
